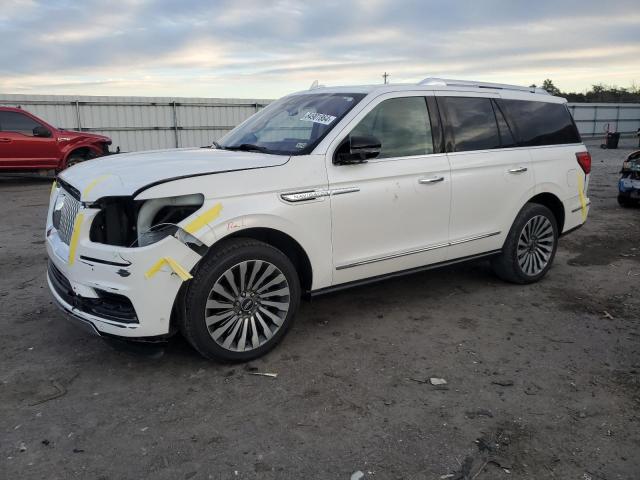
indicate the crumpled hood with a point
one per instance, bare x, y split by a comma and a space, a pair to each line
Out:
125, 174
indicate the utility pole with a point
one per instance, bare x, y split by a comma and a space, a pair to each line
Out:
385, 76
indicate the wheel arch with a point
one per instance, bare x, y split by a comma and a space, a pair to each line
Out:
553, 203
283, 242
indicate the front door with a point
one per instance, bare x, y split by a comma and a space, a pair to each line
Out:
391, 213
19, 147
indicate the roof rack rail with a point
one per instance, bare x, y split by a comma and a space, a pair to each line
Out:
444, 82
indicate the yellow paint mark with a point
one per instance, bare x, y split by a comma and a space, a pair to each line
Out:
583, 201
94, 183
175, 266
203, 219
73, 245
53, 187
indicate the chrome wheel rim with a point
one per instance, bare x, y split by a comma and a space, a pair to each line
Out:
247, 305
535, 245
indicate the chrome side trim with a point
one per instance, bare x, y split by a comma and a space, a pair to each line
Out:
394, 255
342, 191
475, 237
418, 250
304, 195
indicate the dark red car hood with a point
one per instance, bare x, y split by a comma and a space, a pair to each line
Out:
73, 135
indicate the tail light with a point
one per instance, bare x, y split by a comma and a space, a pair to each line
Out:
584, 159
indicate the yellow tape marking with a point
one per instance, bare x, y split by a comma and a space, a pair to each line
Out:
202, 220
175, 266
74, 238
93, 184
583, 201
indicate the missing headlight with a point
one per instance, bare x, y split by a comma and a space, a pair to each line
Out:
125, 222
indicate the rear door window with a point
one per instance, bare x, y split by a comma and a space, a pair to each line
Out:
472, 122
541, 123
17, 122
506, 135
401, 124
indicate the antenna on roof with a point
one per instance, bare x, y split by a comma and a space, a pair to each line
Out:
314, 85
385, 76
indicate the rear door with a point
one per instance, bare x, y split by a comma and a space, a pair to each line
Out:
490, 175
391, 213
19, 148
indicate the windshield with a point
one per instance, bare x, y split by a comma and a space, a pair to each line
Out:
293, 125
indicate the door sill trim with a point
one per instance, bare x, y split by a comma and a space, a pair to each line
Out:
415, 251
400, 273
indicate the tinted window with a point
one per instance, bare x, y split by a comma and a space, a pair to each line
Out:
472, 123
506, 135
402, 126
17, 122
540, 123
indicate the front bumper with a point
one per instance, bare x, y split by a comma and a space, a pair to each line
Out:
105, 289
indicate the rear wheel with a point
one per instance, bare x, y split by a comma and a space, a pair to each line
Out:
241, 302
530, 247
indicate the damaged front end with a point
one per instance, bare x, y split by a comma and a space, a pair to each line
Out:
629, 183
125, 222
117, 263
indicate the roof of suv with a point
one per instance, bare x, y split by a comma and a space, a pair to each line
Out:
440, 84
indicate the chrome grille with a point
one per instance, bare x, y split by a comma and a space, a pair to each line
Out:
67, 217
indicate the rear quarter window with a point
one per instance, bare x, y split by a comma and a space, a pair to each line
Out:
541, 123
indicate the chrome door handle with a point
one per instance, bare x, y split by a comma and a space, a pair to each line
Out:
518, 170
424, 181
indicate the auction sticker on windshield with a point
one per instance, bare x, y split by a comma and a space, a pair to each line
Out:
315, 117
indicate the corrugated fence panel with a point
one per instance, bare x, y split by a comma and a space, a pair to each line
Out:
593, 119
146, 123
142, 123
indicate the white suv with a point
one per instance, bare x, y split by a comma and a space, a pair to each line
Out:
321, 190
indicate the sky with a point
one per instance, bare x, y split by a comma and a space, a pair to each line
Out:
266, 49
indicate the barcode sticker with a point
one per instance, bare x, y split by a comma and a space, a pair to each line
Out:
315, 117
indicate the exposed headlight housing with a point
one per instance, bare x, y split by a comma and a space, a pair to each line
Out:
126, 222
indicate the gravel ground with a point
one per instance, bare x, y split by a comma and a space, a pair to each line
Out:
542, 380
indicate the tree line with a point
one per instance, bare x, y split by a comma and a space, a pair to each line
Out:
598, 93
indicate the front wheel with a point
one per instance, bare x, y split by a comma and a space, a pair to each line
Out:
241, 301
530, 247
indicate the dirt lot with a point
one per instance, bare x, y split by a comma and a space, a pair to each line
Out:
543, 380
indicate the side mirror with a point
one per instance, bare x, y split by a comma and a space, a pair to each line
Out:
41, 131
357, 149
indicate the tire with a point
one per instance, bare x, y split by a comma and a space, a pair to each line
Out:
528, 254
625, 202
223, 324
73, 160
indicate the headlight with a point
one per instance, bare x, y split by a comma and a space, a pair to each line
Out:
158, 217
126, 222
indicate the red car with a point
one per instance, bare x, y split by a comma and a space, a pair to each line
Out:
29, 143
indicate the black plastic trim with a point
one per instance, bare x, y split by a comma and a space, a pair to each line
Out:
401, 273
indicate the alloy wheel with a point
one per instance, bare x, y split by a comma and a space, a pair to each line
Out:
535, 245
247, 305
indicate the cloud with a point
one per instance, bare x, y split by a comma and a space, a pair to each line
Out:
253, 48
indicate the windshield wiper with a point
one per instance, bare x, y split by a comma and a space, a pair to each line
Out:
249, 147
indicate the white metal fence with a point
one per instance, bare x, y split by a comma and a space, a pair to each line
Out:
593, 119
141, 123
144, 123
